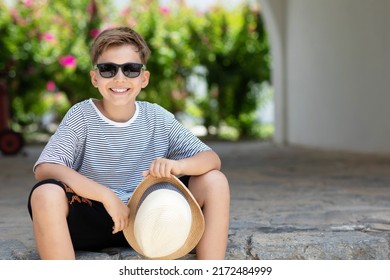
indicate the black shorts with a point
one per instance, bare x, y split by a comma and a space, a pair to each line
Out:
90, 225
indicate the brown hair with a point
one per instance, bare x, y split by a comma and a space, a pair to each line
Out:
119, 36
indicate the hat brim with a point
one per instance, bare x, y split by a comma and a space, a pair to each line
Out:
198, 223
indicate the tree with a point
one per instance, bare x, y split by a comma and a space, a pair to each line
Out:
45, 55
234, 49
47, 49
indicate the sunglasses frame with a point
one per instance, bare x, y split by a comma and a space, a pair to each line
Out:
117, 66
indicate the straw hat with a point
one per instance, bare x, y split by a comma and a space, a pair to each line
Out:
166, 222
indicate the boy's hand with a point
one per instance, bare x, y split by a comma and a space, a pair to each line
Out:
119, 213
162, 167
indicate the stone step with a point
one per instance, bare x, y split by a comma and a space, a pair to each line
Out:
250, 245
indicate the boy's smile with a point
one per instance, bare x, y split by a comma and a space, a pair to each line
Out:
119, 90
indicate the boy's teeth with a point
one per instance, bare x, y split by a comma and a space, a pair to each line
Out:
119, 89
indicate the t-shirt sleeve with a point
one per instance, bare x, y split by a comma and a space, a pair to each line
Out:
183, 143
65, 145
61, 148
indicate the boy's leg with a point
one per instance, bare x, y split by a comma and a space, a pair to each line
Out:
50, 208
211, 190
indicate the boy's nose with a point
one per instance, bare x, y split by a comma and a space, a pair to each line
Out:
120, 75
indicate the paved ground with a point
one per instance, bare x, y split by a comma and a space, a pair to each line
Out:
286, 203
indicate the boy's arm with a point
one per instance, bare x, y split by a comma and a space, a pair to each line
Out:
87, 188
198, 164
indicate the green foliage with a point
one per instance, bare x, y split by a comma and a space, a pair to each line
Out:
45, 56
234, 49
46, 44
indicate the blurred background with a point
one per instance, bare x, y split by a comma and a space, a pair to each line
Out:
210, 63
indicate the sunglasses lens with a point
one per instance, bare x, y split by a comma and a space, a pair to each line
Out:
132, 70
107, 70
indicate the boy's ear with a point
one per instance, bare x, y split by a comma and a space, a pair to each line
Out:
145, 78
94, 82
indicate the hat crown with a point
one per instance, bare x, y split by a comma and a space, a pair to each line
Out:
169, 221
163, 221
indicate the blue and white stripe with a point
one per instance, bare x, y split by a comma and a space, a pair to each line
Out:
115, 154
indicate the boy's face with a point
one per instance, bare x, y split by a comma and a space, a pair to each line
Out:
119, 90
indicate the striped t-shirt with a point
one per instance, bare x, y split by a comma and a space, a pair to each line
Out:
115, 154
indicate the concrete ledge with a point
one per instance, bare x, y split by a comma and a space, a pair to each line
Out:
309, 246
249, 245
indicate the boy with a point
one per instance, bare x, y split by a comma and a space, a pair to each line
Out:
103, 148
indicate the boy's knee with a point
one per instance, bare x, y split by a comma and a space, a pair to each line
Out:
211, 188
216, 177
47, 195
213, 180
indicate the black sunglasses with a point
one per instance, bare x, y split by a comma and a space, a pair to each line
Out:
109, 70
